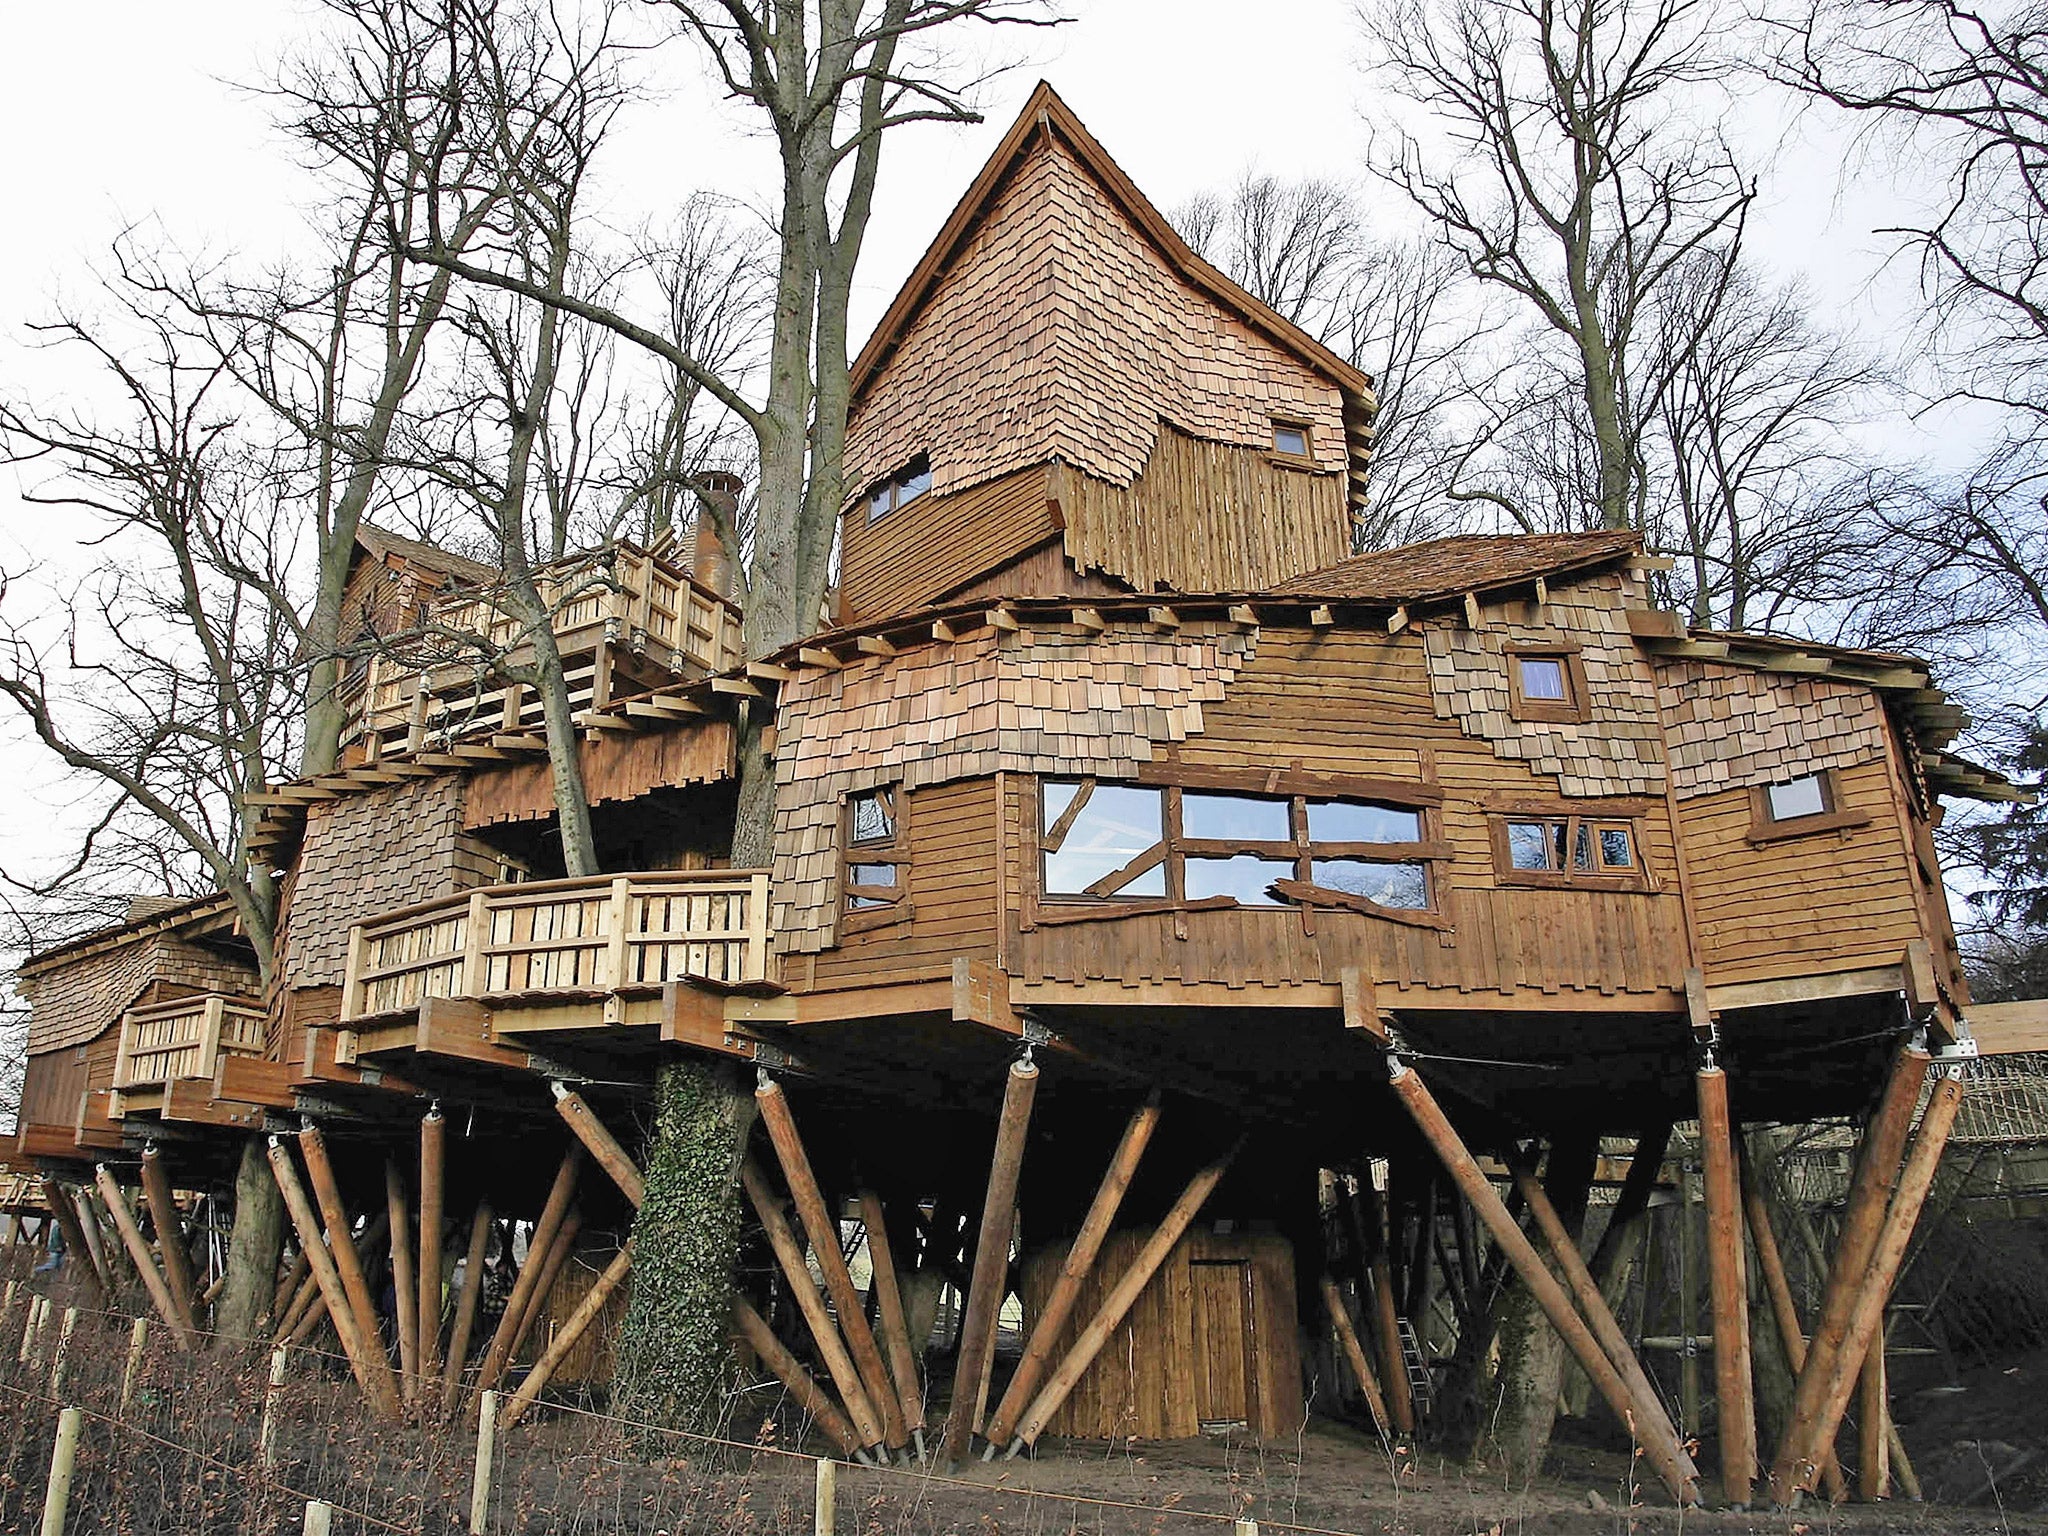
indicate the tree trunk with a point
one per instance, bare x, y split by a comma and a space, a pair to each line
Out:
674, 1356
246, 1292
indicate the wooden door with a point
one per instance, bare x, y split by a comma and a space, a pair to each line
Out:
1223, 1336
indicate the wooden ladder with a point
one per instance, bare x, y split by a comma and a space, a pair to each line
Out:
1420, 1385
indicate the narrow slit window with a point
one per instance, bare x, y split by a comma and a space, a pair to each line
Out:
873, 876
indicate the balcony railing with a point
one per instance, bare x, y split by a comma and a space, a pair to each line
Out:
607, 934
643, 616
164, 1042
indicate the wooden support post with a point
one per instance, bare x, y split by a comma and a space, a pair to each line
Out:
601, 1144
266, 1429
1888, 1252
433, 1198
1645, 1420
1074, 1271
1784, 1309
831, 1347
552, 1215
1122, 1297
480, 1478
348, 1261
991, 1275
1606, 1328
152, 1280
1688, 1300
63, 1456
1884, 1143
58, 1199
551, 1269
465, 1306
96, 1246
571, 1334
138, 1341
1354, 1352
1386, 1321
823, 1230
290, 1299
170, 1233
1734, 1388
1873, 1458
376, 1386
889, 1312
809, 1395
63, 1348
404, 1282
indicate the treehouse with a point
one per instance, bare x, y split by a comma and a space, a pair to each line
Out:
1168, 907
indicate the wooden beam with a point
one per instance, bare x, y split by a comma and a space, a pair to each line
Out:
1804, 989
376, 1388
405, 1293
991, 1274
58, 1199
1887, 1255
433, 1197
1354, 1353
1784, 1310
1646, 1418
824, 1332
810, 1397
823, 1230
160, 1295
552, 1215
170, 1233
1884, 1144
551, 1265
355, 1284
601, 1144
873, 645
1728, 1283
568, 1337
2006, 1029
1075, 1269
1122, 1297
889, 1313
466, 1305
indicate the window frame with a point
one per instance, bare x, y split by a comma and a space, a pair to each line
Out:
1575, 708
1602, 877
892, 902
918, 467
1280, 422
1834, 817
1299, 892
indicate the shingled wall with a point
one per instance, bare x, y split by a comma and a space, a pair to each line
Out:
74, 1002
1041, 700
366, 854
1730, 727
1619, 750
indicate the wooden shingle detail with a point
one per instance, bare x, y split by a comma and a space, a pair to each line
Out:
1618, 748
1060, 333
1731, 727
365, 854
71, 1003
1041, 700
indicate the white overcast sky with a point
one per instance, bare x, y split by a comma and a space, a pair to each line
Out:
124, 111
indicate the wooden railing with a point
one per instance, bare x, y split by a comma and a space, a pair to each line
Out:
635, 602
163, 1042
606, 934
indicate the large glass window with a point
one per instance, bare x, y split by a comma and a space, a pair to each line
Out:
1128, 842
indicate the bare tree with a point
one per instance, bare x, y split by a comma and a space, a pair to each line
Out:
1564, 166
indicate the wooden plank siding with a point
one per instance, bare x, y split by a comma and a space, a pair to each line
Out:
1829, 901
937, 542
952, 872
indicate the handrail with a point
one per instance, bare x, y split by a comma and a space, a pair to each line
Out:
597, 934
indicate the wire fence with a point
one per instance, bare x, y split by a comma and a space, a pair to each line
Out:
203, 1441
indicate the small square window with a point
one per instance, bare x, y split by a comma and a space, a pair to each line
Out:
1543, 677
1290, 439
1801, 797
1546, 684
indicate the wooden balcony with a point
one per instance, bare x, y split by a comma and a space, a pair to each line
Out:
185, 1039
630, 622
546, 947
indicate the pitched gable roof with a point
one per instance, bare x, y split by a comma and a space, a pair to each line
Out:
383, 544
1466, 562
1059, 315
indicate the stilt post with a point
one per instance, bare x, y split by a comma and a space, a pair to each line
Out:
404, 1280
889, 1313
1645, 1420
466, 1305
1734, 1382
1873, 1458
348, 1262
552, 1215
58, 1198
376, 1385
1354, 1352
433, 1198
822, 1227
573, 1328
170, 1233
1784, 1310
1884, 1143
557, 1257
984, 1298
809, 1395
152, 1280
601, 1144
1075, 1269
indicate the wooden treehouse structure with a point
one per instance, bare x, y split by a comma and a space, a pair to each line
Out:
1178, 923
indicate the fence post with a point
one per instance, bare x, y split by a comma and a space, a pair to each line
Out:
28, 1331
486, 1438
138, 1337
828, 1486
57, 1497
63, 1342
266, 1434
319, 1518
1247, 1528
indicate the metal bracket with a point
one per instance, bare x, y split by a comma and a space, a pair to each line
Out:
766, 1055
306, 1105
1033, 1032
547, 1066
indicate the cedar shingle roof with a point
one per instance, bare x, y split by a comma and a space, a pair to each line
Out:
381, 543
1463, 563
